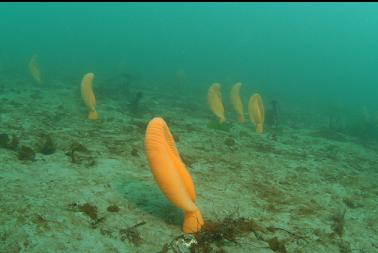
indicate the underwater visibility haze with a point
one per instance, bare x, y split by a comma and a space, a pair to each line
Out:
188, 127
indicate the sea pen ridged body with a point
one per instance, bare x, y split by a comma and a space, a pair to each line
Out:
214, 99
170, 173
88, 95
34, 69
236, 101
256, 112
161, 150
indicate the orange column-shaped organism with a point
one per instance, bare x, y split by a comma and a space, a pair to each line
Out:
215, 101
34, 70
256, 112
170, 173
88, 95
236, 101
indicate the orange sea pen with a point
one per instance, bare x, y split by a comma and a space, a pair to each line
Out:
88, 95
170, 173
256, 112
236, 101
34, 70
214, 99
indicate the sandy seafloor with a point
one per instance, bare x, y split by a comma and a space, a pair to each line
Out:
299, 181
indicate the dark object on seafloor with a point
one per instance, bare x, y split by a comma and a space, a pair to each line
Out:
8, 143
48, 146
26, 154
135, 102
272, 115
4, 140
80, 154
113, 208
